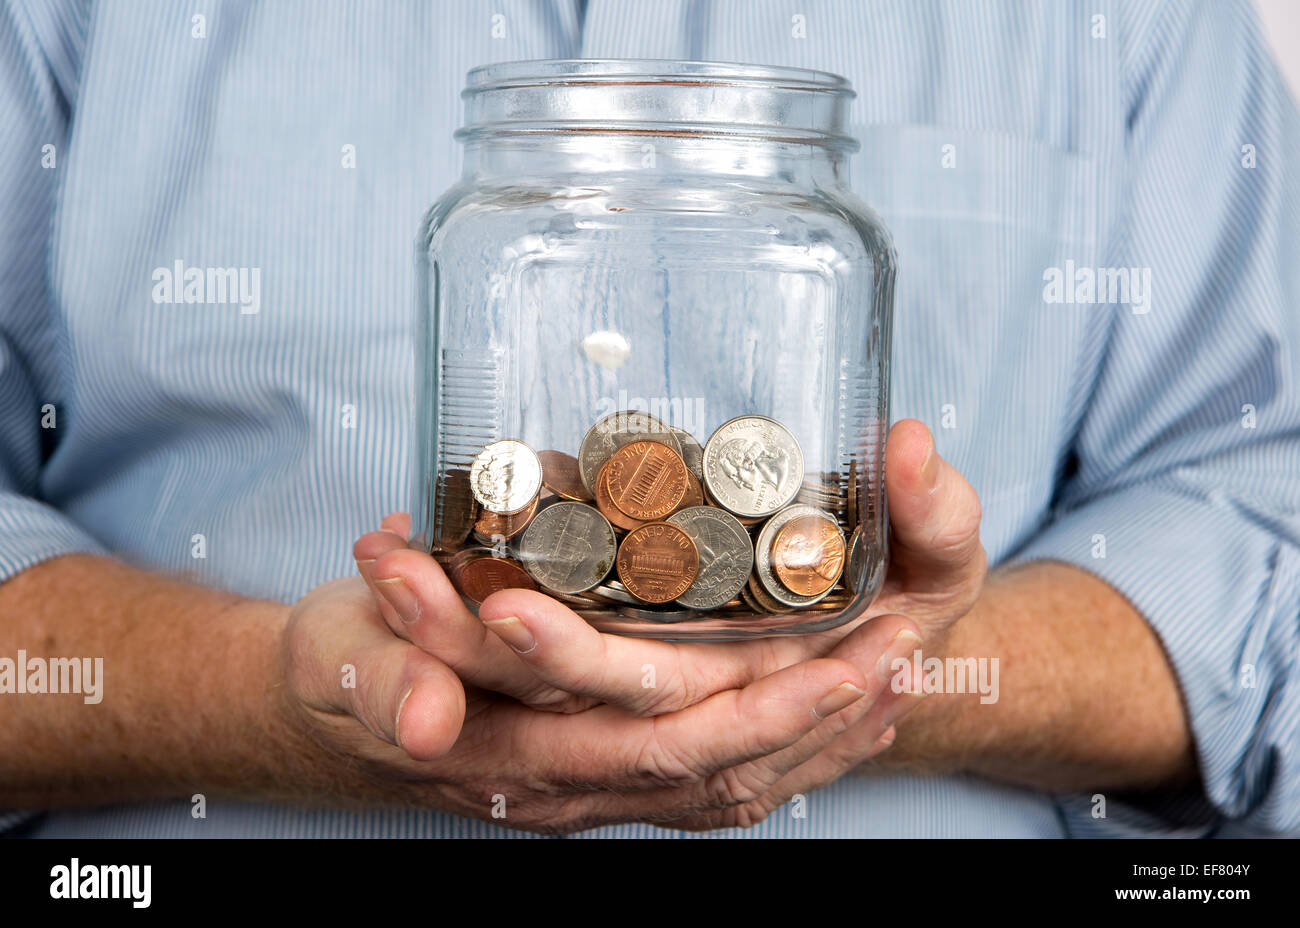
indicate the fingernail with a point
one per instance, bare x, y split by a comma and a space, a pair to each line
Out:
401, 598
363, 568
886, 739
901, 707
930, 467
901, 646
843, 695
397, 725
513, 632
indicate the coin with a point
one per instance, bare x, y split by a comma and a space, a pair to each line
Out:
753, 466
611, 433
646, 480
808, 554
656, 615
479, 578
768, 582
505, 476
616, 516
765, 601
453, 508
613, 590
692, 451
694, 495
492, 527
657, 562
560, 474
853, 566
725, 551
569, 547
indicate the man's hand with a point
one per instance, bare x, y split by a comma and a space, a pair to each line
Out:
408, 731
534, 649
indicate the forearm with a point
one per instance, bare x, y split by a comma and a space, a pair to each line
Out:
186, 700
1086, 696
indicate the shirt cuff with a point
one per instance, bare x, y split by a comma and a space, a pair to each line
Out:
1220, 585
31, 532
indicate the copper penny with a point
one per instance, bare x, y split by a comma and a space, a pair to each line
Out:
616, 516
657, 562
561, 475
492, 526
694, 495
808, 555
646, 480
480, 578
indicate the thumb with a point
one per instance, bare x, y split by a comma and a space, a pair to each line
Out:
934, 513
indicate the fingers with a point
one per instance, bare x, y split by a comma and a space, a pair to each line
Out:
606, 748
368, 549
343, 661
399, 523
934, 512
430, 613
873, 648
639, 675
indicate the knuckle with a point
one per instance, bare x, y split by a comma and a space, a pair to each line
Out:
735, 786
659, 763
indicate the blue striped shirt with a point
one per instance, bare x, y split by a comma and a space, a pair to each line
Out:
1150, 437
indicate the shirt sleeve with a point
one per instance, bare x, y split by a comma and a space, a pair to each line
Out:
39, 52
1184, 480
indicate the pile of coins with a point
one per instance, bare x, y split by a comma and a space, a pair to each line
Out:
647, 521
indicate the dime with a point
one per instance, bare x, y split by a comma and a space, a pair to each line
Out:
646, 480
612, 432
505, 476
768, 581
479, 578
491, 527
616, 516
753, 466
657, 562
569, 547
692, 451
560, 475
808, 554
725, 551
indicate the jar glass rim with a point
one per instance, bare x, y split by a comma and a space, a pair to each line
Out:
567, 71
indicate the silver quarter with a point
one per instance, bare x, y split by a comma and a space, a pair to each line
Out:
505, 476
613, 432
568, 547
771, 583
753, 466
726, 555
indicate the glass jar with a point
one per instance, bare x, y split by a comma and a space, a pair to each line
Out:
653, 330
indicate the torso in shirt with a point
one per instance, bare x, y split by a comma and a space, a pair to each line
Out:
232, 150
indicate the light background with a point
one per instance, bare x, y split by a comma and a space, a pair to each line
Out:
1281, 22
